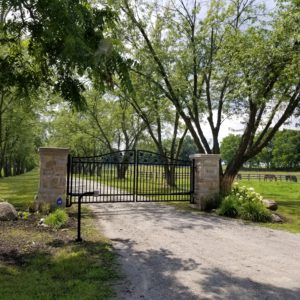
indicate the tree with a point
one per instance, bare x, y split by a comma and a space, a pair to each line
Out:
265, 157
286, 152
162, 121
20, 130
64, 130
231, 63
281, 152
58, 43
188, 148
106, 125
61, 46
229, 146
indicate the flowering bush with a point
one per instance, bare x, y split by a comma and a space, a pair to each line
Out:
245, 194
244, 203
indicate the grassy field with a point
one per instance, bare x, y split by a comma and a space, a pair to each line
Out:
20, 190
40, 263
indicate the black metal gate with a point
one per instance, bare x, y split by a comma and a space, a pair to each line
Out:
129, 176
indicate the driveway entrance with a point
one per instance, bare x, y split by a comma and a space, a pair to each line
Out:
169, 254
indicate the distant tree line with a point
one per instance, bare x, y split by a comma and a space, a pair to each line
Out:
21, 134
282, 152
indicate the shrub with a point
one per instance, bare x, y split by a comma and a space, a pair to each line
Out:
57, 219
229, 207
244, 203
254, 211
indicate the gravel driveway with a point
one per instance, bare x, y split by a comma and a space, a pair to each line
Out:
169, 254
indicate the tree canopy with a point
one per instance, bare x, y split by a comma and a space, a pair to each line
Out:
237, 61
58, 44
283, 151
48, 48
179, 64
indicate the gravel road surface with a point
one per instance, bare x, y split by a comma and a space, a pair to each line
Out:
169, 254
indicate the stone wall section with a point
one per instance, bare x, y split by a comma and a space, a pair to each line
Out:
206, 180
53, 176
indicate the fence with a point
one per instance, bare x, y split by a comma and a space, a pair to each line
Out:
268, 177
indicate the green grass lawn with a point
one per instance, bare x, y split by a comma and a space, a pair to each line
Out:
20, 190
286, 194
40, 263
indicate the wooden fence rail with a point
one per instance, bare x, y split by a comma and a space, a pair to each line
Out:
268, 177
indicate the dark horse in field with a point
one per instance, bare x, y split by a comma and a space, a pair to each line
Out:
292, 178
270, 177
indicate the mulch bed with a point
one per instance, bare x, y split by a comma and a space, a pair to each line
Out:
21, 239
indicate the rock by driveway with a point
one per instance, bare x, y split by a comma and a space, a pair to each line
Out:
169, 254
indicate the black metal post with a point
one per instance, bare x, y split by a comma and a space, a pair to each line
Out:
68, 200
135, 176
79, 239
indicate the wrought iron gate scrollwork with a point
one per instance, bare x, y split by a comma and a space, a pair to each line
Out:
129, 176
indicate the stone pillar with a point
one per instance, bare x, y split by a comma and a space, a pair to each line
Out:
206, 180
53, 172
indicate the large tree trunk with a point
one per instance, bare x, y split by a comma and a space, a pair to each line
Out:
227, 178
225, 183
122, 166
18, 168
7, 169
121, 171
22, 168
170, 175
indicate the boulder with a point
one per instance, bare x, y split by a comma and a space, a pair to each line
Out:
270, 204
277, 219
7, 212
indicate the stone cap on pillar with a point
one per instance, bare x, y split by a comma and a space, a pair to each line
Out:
52, 150
200, 156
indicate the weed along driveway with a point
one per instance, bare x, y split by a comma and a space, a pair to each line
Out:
165, 254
